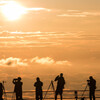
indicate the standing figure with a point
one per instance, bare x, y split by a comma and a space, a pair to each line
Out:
92, 87
38, 84
60, 85
18, 88
1, 91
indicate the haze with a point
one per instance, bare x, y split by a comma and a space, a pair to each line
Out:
50, 37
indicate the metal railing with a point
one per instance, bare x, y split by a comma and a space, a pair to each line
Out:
67, 95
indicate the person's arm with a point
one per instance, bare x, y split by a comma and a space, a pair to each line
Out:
95, 85
89, 83
41, 83
57, 78
13, 81
3, 87
35, 84
95, 82
64, 82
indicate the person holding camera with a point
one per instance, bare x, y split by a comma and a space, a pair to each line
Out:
38, 84
92, 87
60, 85
18, 88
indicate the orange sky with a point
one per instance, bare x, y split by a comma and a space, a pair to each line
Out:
52, 36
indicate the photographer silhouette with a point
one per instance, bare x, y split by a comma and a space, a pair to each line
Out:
92, 87
18, 88
38, 84
60, 85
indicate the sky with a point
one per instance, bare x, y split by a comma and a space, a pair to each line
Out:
49, 37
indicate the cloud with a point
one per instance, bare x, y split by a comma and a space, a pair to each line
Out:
3, 2
77, 13
25, 10
73, 10
45, 60
49, 61
63, 63
38, 9
10, 37
71, 15
12, 62
43, 39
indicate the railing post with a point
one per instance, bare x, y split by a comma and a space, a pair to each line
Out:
76, 95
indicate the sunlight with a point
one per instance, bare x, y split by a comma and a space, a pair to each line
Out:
13, 10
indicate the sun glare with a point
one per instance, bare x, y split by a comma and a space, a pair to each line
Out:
13, 10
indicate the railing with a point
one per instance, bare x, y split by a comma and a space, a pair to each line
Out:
67, 95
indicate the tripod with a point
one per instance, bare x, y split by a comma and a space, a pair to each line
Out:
84, 92
51, 84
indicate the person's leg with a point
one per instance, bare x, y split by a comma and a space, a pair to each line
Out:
56, 93
90, 95
37, 96
16, 96
94, 95
20, 95
61, 96
41, 96
0, 96
61, 92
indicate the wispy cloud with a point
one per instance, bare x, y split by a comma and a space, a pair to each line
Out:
49, 61
25, 9
73, 10
78, 13
42, 39
37, 9
72, 15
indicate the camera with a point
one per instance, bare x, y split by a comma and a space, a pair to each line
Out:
15, 79
88, 81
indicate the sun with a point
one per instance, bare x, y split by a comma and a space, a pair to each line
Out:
13, 10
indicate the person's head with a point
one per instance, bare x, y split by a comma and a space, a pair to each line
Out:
38, 79
91, 77
61, 74
19, 78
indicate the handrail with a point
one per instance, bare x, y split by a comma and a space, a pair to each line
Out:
68, 94
65, 90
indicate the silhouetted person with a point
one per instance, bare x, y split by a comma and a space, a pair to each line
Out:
60, 85
92, 87
18, 88
1, 91
38, 84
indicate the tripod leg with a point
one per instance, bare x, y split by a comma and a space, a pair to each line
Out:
53, 86
47, 91
84, 90
55, 96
